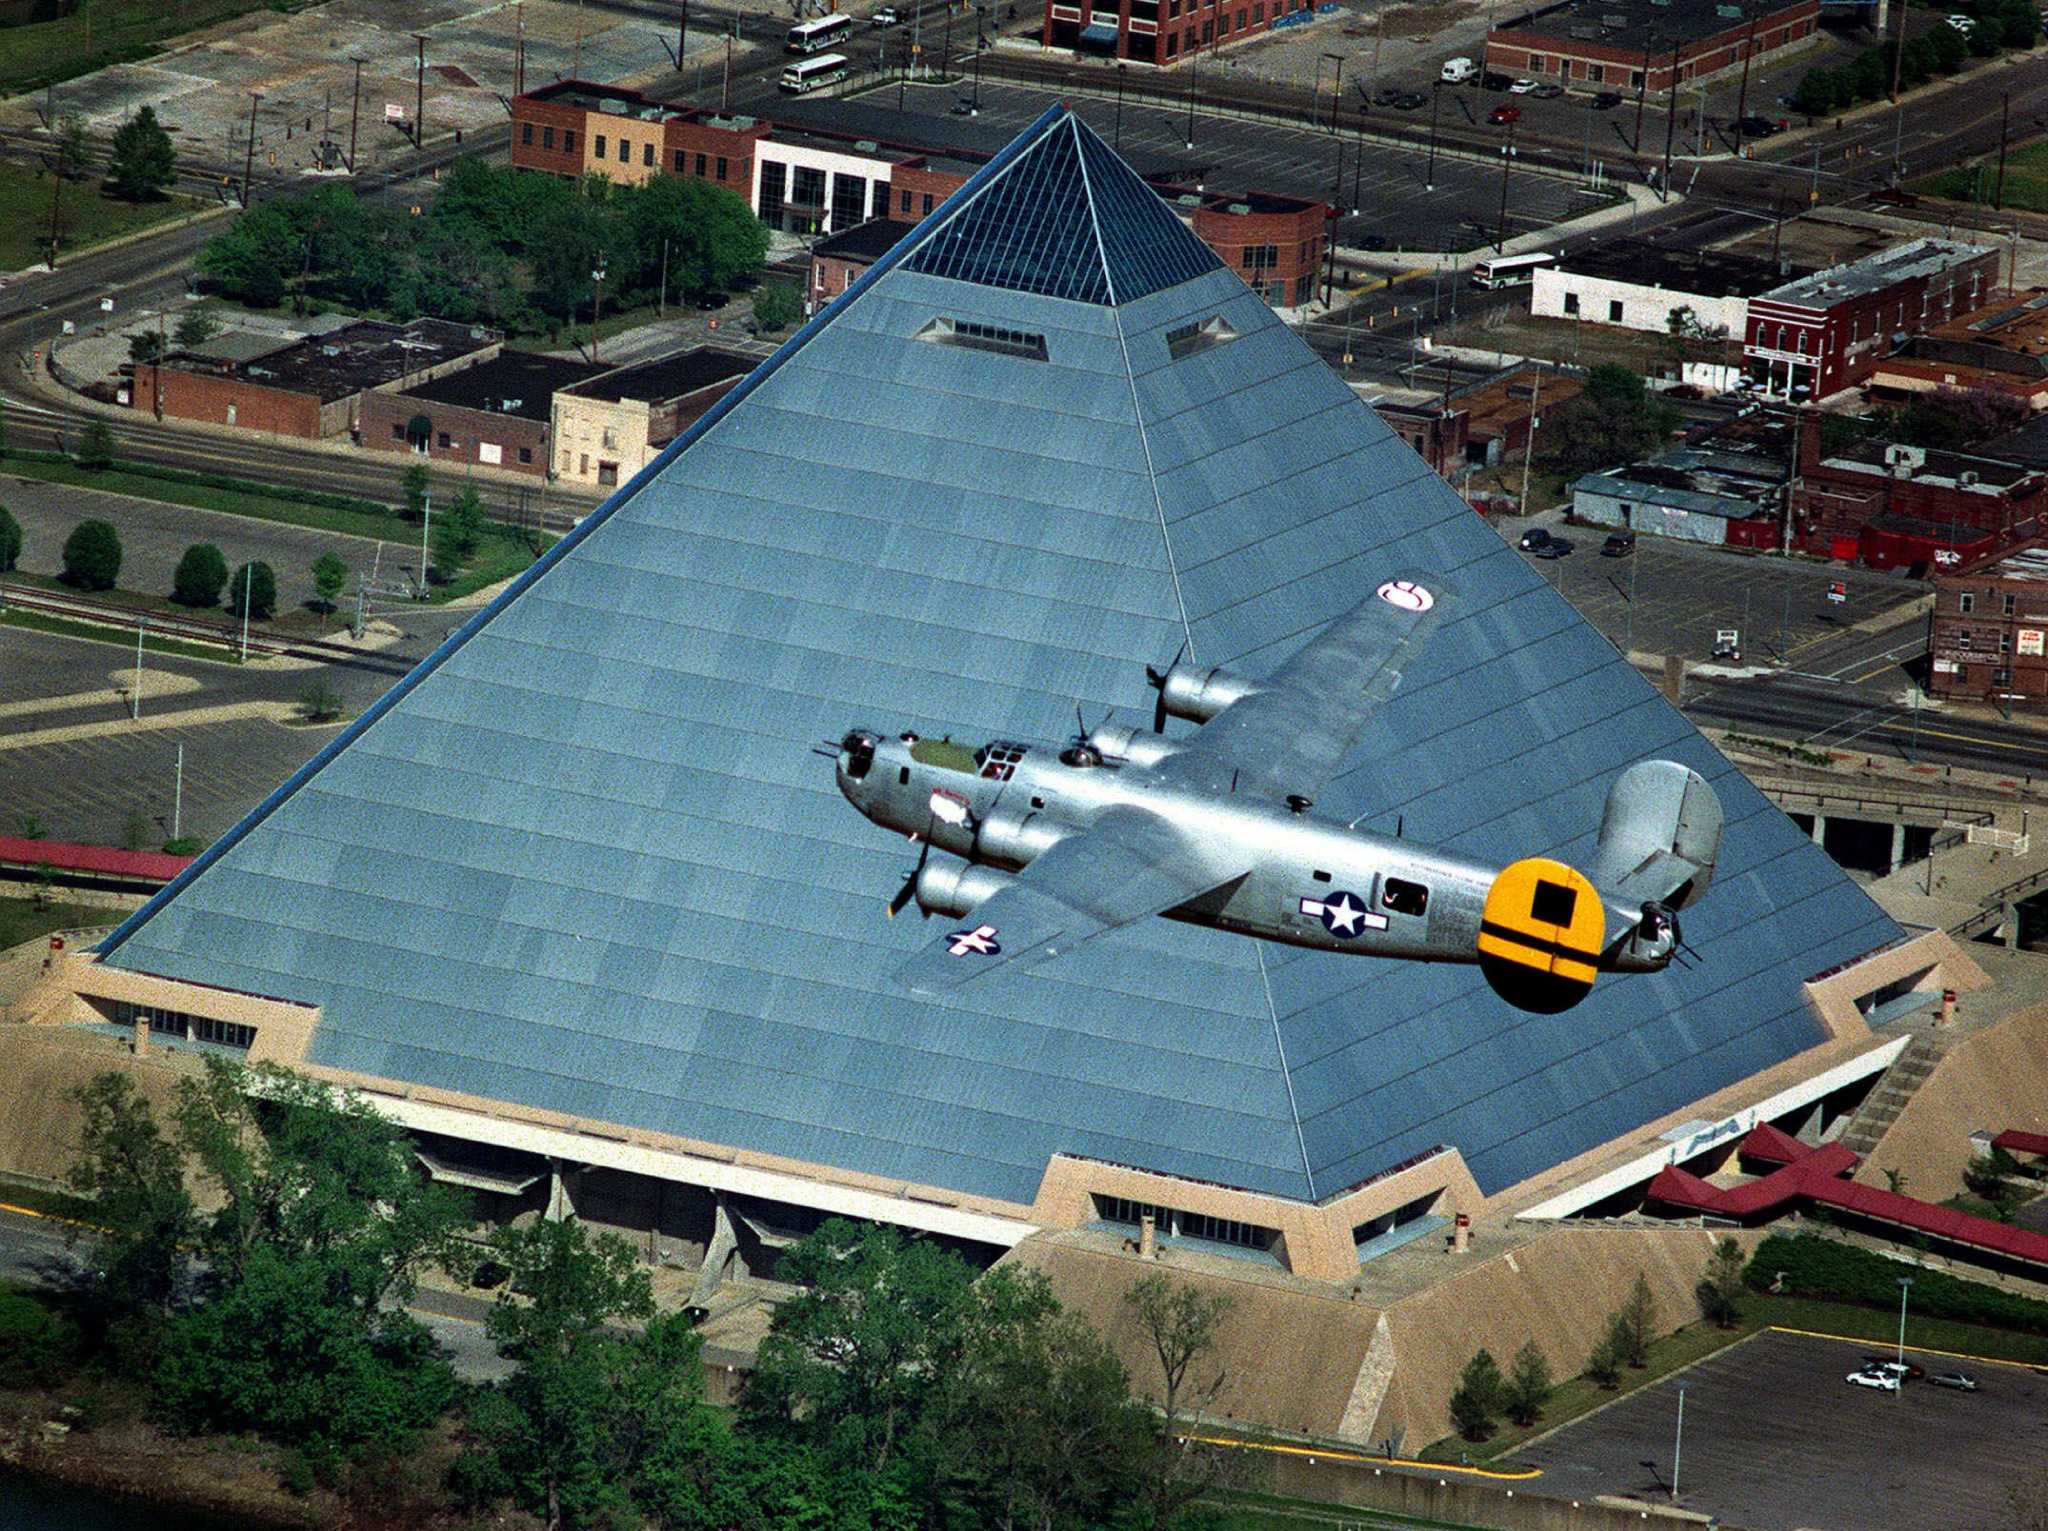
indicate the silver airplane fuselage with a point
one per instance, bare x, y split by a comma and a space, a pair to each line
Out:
1312, 882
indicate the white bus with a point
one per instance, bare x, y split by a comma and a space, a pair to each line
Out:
810, 73
821, 32
1511, 270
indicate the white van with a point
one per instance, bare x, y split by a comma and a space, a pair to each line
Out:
1458, 70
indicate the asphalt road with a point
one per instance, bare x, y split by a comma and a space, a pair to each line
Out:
35, 1252
1775, 1439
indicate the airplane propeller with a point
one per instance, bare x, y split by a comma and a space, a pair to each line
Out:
908, 891
1156, 679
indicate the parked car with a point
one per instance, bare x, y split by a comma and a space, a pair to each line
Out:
1884, 1382
1618, 545
1606, 100
1905, 1371
1549, 90
1757, 127
1962, 1382
1493, 79
1533, 539
1522, 87
1504, 114
1556, 547
887, 16
1963, 24
711, 301
1457, 71
1409, 100
1387, 96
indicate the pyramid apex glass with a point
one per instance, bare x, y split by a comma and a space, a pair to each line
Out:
583, 859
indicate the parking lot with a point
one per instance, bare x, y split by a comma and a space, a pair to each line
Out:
1671, 597
1386, 185
1775, 1439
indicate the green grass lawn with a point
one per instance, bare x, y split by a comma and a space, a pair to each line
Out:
22, 920
105, 32
2026, 180
63, 627
1267, 1512
88, 217
294, 622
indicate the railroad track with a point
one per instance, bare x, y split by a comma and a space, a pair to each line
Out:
189, 629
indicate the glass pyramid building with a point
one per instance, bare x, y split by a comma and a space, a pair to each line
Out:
584, 860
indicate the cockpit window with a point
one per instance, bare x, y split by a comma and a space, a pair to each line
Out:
860, 754
997, 760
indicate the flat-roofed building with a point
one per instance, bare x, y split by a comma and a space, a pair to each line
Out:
1163, 32
576, 128
607, 429
314, 387
1638, 285
1890, 505
1628, 45
2001, 348
1822, 333
493, 415
1989, 631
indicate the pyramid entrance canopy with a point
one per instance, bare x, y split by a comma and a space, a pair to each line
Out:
583, 859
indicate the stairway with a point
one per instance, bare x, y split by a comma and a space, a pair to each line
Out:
1910, 1070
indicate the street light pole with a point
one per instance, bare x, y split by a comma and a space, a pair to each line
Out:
1670, 125
1507, 154
1436, 101
1337, 90
596, 303
419, 99
1117, 139
249, 159
355, 112
1678, 1446
1905, 1286
1194, 65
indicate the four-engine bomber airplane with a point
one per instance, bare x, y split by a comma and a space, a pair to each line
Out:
1063, 845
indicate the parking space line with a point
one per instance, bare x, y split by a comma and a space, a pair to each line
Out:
1921, 1350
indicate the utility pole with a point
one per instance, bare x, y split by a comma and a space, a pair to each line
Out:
725, 91
2004, 119
1898, 48
157, 391
135, 712
519, 50
355, 113
1194, 64
57, 206
1742, 94
248, 585
1529, 451
596, 303
249, 159
1337, 91
419, 96
1507, 155
682, 34
1642, 96
178, 798
1117, 138
1436, 101
1330, 229
1670, 126
661, 306
426, 521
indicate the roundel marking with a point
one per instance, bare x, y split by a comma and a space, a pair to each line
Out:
1540, 935
1406, 594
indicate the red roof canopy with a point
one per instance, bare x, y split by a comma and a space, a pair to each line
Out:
2016, 1142
105, 860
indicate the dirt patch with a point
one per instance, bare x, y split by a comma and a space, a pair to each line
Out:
1423, 20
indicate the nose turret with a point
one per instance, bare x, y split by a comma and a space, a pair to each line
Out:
857, 754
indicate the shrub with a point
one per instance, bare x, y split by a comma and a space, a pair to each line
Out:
1478, 1397
92, 556
255, 586
184, 845
1639, 1321
1818, 1267
1610, 1355
10, 540
1528, 1386
1720, 1289
201, 573
34, 1343
96, 447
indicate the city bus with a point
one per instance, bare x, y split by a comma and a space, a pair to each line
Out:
810, 73
819, 33
1511, 270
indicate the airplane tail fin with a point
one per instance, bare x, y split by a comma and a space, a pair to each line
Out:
1659, 838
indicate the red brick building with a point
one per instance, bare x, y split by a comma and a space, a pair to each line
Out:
1275, 243
2001, 347
311, 388
1438, 433
1162, 32
1893, 506
1828, 331
1988, 633
494, 415
575, 128
1616, 44
837, 262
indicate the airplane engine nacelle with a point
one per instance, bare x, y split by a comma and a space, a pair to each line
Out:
1129, 746
954, 888
1540, 935
1014, 838
1198, 694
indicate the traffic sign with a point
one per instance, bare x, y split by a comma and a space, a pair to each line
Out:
1838, 592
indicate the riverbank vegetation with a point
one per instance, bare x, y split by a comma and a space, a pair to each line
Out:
246, 1276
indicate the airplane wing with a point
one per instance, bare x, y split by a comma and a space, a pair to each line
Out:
1127, 866
1293, 730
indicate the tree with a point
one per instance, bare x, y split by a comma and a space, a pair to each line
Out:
1986, 1177
95, 447
1814, 96
413, 482
1720, 1289
10, 540
252, 592
1528, 1387
141, 164
457, 531
321, 1229
74, 146
1477, 1399
142, 1215
146, 348
1639, 1320
92, 556
1610, 1355
1615, 420
196, 326
319, 702
1950, 51
776, 306
201, 573
330, 574
1687, 337
1181, 1325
